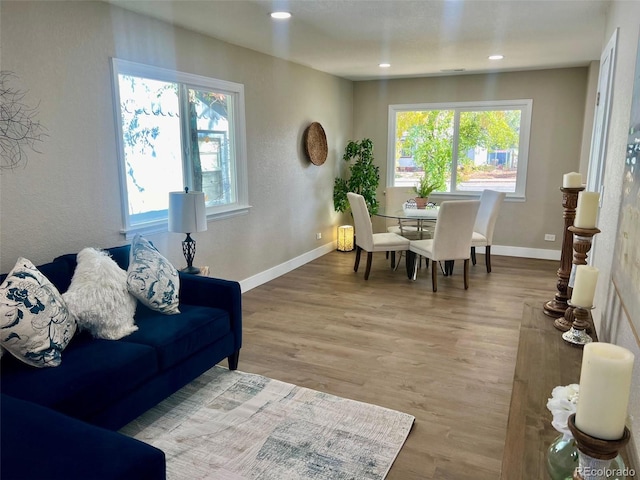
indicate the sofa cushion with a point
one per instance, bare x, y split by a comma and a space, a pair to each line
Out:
94, 374
151, 278
99, 298
35, 321
40, 443
176, 337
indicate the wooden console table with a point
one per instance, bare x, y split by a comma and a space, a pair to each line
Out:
544, 361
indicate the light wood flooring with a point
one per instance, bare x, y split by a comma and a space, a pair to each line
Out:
447, 357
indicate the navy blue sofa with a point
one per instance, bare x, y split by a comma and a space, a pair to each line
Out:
61, 422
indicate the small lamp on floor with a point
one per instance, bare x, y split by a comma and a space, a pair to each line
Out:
187, 214
345, 238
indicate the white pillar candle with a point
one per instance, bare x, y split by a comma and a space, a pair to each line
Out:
572, 180
584, 286
605, 382
587, 210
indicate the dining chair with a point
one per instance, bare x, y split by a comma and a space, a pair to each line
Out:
451, 239
490, 202
367, 240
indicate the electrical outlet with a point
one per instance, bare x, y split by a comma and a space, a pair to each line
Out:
548, 237
318, 236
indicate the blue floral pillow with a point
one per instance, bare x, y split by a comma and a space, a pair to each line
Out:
151, 278
35, 323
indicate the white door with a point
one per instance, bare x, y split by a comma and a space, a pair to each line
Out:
597, 159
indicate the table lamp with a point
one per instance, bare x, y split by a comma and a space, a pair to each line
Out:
187, 214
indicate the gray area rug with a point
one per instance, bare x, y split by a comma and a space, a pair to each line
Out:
231, 425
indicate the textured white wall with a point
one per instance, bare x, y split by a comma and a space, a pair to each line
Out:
612, 320
67, 197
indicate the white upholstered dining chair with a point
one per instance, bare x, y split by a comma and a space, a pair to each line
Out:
367, 240
490, 202
451, 239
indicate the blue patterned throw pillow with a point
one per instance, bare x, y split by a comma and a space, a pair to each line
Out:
151, 278
35, 323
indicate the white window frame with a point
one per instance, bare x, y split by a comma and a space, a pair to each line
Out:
237, 130
525, 105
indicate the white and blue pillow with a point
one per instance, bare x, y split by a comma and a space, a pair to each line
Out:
151, 278
35, 323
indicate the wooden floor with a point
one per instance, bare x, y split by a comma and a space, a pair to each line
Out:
447, 358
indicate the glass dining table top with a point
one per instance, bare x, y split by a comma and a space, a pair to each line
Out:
429, 213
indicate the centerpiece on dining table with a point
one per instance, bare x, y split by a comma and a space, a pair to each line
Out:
425, 187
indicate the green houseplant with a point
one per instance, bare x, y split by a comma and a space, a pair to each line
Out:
363, 179
423, 189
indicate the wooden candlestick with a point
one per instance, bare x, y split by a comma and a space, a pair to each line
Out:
594, 454
577, 334
582, 240
556, 307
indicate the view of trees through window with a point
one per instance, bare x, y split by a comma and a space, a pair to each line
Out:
174, 135
460, 149
151, 130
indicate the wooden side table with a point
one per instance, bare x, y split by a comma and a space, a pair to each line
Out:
544, 361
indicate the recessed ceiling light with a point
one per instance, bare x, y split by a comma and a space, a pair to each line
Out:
280, 15
384, 65
496, 57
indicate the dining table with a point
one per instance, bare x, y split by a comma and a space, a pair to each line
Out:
423, 217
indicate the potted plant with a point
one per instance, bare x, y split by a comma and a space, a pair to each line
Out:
423, 189
363, 179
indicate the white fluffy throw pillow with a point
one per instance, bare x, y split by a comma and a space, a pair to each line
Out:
35, 322
99, 298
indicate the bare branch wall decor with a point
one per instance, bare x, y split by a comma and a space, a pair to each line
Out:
19, 129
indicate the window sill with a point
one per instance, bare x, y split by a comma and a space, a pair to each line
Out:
161, 225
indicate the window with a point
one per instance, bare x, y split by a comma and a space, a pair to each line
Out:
177, 130
463, 147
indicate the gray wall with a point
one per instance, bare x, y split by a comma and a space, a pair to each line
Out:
67, 197
555, 143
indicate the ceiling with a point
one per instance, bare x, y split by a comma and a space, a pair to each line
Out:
350, 38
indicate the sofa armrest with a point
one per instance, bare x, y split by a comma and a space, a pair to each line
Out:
217, 293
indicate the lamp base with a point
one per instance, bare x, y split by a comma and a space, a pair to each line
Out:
193, 270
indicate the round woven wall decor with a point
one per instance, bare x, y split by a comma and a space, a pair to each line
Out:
315, 143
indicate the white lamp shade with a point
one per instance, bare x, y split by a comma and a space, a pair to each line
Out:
187, 212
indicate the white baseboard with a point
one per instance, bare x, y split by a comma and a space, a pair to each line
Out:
542, 254
274, 272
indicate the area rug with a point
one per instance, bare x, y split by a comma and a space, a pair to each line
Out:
230, 425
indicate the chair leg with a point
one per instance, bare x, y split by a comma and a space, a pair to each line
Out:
368, 269
393, 259
487, 257
473, 255
434, 278
466, 273
411, 264
357, 264
399, 260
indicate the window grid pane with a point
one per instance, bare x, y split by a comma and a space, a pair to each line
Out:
178, 129
463, 148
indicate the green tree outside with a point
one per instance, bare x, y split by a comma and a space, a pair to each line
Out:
427, 136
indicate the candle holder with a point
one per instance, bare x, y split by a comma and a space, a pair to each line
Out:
582, 240
556, 307
595, 455
577, 334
